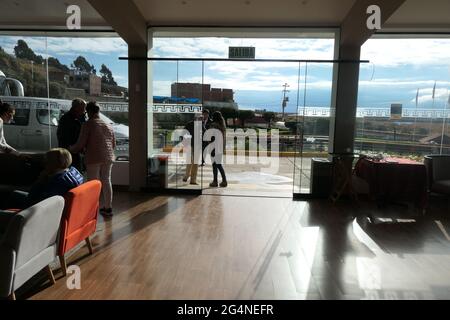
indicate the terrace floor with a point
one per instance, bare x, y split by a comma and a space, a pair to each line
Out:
251, 179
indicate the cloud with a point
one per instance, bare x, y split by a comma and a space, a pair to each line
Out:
93, 48
402, 82
264, 48
248, 76
161, 88
69, 46
401, 52
426, 96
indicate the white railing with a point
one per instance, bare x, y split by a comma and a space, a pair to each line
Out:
42, 103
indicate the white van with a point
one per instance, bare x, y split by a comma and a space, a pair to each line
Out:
34, 126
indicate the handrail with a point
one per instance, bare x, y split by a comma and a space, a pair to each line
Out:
245, 60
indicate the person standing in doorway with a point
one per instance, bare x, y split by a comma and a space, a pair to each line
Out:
98, 140
206, 124
192, 166
69, 128
218, 122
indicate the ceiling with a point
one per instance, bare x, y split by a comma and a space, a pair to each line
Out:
421, 14
413, 14
45, 14
245, 12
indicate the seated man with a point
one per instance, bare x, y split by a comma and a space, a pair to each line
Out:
57, 178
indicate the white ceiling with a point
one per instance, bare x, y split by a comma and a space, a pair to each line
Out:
415, 14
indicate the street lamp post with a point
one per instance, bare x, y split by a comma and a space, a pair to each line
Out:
32, 77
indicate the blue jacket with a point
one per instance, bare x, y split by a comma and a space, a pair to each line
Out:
56, 185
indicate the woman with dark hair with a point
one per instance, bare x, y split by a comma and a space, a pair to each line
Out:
6, 116
218, 122
98, 142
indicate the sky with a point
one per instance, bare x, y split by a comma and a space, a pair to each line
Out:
397, 68
97, 51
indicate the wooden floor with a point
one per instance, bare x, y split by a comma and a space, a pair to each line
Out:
222, 247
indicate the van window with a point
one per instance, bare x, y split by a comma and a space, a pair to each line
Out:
21, 117
43, 118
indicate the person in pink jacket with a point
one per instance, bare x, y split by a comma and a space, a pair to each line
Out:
98, 142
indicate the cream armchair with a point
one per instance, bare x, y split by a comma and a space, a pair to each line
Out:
28, 243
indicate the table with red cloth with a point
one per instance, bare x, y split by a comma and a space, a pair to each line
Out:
394, 179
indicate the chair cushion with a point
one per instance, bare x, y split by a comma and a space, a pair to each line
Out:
31, 267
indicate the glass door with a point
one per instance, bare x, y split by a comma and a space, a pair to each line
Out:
258, 144
176, 110
312, 170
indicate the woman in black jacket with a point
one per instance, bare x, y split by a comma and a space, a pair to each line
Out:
218, 122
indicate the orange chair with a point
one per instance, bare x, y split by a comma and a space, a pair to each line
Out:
79, 218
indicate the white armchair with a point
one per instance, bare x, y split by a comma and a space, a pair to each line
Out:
28, 243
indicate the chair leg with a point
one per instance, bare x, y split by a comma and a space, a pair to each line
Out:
12, 296
89, 245
50, 274
62, 261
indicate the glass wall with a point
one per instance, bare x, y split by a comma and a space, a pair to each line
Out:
273, 111
172, 113
41, 75
403, 102
313, 122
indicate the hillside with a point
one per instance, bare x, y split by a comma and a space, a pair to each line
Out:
33, 76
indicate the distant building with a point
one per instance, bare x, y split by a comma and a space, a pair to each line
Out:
72, 93
214, 104
91, 83
203, 92
190, 90
59, 76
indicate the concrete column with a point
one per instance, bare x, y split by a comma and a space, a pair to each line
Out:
137, 112
354, 33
